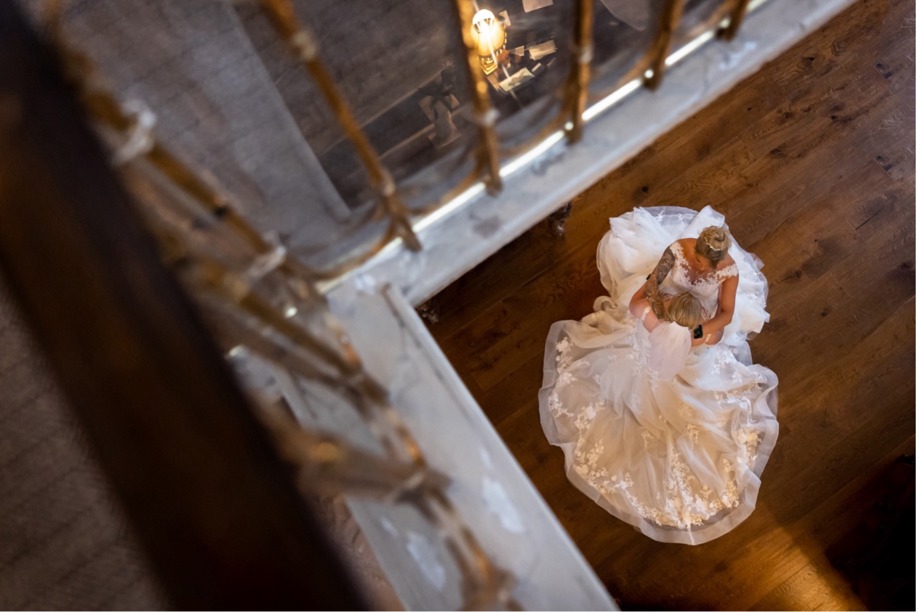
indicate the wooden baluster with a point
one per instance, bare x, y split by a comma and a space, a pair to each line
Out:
283, 17
485, 114
579, 76
737, 14
669, 19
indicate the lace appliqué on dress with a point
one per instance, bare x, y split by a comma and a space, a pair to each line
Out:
563, 358
704, 285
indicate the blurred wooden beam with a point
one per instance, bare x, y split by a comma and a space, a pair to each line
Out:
213, 504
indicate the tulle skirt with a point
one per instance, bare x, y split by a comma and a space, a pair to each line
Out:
680, 459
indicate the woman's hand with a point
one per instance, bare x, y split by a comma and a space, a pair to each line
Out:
707, 338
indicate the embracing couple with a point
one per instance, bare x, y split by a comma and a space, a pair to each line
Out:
653, 397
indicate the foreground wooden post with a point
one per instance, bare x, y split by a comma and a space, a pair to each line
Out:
212, 502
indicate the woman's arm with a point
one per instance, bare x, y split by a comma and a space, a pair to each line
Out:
652, 285
639, 301
725, 308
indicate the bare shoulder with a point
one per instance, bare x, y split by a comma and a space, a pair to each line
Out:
650, 320
638, 304
641, 310
726, 262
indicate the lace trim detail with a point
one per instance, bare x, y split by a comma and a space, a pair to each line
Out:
727, 272
686, 502
639, 353
563, 358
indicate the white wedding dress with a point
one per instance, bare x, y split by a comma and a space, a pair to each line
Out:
678, 456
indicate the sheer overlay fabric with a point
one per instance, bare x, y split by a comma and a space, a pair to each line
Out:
667, 438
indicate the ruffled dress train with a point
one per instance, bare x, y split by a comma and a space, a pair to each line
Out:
678, 457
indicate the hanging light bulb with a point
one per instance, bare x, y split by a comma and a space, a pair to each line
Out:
489, 37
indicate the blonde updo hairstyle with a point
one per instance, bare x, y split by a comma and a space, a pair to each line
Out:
684, 309
713, 244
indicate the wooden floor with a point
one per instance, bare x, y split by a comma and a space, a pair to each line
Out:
813, 162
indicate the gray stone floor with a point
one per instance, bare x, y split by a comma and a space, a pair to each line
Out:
63, 541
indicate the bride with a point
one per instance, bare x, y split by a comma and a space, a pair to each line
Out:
663, 418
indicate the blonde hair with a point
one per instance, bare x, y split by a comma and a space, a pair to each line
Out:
684, 309
713, 244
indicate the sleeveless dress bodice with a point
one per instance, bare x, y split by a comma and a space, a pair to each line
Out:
706, 288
